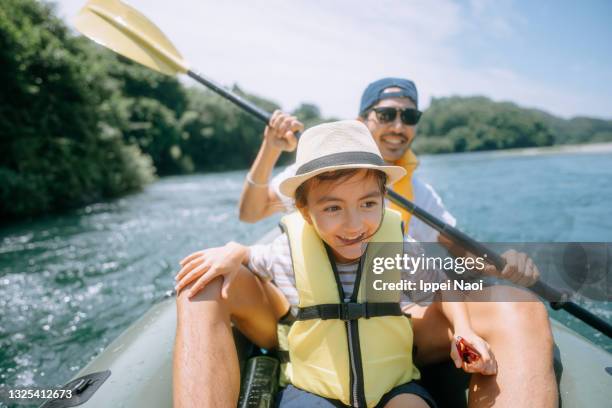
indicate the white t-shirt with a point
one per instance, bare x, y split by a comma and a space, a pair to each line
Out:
425, 197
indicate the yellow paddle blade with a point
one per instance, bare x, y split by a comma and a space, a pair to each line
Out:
126, 31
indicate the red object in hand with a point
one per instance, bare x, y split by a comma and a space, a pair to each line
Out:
467, 353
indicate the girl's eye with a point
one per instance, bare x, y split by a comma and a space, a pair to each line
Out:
332, 208
370, 204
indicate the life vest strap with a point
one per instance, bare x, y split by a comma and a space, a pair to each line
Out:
349, 311
283, 356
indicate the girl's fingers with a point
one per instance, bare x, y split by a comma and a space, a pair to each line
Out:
188, 267
227, 281
191, 257
455, 357
494, 364
488, 365
191, 276
454, 354
185, 280
476, 367
492, 367
487, 368
481, 346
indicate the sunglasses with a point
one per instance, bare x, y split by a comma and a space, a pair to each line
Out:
409, 116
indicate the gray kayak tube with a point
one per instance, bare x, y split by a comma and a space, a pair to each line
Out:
140, 365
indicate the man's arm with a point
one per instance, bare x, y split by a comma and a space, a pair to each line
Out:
258, 200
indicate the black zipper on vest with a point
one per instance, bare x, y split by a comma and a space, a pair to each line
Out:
352, 334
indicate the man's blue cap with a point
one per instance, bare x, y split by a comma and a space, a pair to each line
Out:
375, 92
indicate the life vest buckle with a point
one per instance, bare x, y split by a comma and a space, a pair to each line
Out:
352, 311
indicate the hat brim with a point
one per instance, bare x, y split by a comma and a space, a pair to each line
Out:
288, 186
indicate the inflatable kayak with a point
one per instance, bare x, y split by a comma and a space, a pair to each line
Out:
135, 370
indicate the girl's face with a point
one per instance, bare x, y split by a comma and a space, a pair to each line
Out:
345, 213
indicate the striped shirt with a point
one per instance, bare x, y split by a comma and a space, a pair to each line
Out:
272, 262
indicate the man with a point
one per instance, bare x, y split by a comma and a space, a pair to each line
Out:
389, 109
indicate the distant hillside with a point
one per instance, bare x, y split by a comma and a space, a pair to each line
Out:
461, 124
579, 129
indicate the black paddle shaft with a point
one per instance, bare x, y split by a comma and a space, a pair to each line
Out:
231, 96
540, 288
241, 102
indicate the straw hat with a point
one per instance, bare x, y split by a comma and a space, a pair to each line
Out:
346, 144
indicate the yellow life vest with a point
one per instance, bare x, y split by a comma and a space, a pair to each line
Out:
353, 352
404, 185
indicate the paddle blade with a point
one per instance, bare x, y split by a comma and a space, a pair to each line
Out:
126, 31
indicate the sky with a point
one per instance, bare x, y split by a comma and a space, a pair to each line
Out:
551, 55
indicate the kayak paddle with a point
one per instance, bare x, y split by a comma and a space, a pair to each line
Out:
126, 31
118, 26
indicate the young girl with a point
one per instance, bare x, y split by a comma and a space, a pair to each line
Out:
350, 344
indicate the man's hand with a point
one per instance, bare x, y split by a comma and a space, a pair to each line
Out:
204, 266
519, 269
280, 133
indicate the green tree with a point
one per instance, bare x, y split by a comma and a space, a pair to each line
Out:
59, 139
477, 123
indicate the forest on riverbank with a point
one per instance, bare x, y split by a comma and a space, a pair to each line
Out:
464, 124
80, 124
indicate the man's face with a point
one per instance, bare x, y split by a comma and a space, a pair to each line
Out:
393, 138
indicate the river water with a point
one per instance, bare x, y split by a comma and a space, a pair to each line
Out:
70, 284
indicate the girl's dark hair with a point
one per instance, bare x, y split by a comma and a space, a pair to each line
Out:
301, 192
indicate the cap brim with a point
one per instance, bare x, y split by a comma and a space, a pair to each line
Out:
288, 186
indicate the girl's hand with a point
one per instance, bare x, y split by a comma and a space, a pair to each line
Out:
482, 361
204, 266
